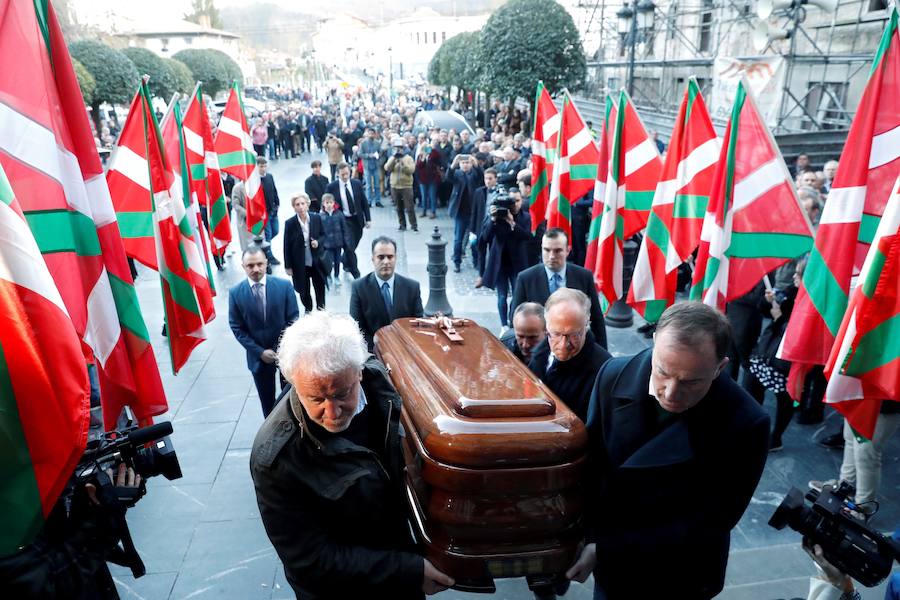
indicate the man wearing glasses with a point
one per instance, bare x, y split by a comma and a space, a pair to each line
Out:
569, 359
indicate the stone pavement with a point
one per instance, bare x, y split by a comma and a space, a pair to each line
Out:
201, 536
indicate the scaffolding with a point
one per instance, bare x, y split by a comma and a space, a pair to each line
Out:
827, 54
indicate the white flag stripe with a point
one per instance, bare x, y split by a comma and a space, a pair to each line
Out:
642, 280
133, 167
841, 387
579, 141
22, 261
551, 126
845, 205
757, 183
885, 148
640, 155
193, 141
701, 158
102, 332
229, 126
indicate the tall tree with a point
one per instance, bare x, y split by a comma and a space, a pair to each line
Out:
528, 41
113, 72
163, 80
207, 9
215, 69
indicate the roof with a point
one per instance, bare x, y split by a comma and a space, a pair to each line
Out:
177, 27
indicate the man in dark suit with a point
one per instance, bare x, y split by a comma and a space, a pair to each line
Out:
464, 175
272, 203
480, 201
351, 200
535, 284
315, 185
303, 235
677, 444
568, 360
259, 309
382, 296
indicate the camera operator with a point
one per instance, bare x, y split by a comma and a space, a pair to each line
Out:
68, 558
834, 584
505, 233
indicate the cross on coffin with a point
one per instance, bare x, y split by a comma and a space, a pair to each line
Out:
444, 324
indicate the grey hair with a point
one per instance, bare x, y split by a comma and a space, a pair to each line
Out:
530, 309
324, 343
565, 294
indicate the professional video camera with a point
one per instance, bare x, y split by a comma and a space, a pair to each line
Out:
847, 542
503, 202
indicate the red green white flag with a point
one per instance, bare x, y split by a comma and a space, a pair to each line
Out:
51, 161
679, 204
868, 168
44, 389
863, 369
575, 169
186, 214
641, 168
543, 154
754, 221
204, 166
590, 261
236, 156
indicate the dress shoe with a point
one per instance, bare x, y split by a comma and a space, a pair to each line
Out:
401, 228
456, 268
833, 442
379, 205
274, 261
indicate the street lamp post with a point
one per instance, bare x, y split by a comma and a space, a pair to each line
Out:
629, 27
390, 72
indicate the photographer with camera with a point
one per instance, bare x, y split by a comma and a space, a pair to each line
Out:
505, 233
401, 168
68, 558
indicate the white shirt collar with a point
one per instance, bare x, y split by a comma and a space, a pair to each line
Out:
262, 281
390, 282
561, 272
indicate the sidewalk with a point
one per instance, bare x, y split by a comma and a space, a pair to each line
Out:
201, 536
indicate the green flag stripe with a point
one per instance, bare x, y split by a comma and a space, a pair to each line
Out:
658, 232
135, 224
768, 245
638, 200
233, 159
875, 268
128, 308
6, 193
258, 228
712, 270
40, 11
198, 171
876, 348
583, 172
885, 40
594, 231
653, 310
824, 291
22, 517
564, 207
219, 210
539, 185
64, 231
867, 228
690, 207
182, 291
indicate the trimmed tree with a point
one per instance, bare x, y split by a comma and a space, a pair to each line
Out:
184, 80
115, 75
530, 40
85, 81
211, 67
163, 81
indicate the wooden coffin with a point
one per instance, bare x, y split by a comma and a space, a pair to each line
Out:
495, 461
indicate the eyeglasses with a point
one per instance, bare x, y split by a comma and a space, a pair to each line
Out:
573, 336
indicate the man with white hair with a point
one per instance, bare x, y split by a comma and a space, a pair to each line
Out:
328, 471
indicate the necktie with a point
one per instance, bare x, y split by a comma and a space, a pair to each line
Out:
349, 196
555, 282
386, 294
260, 300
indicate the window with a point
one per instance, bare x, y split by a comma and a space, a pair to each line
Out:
706, 18
877, 5
443, 36
434, 37
425, 37
826, 102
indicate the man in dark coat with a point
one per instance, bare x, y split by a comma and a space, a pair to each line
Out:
303, 242
267, 182
568, 360
480, 201
259, 309
464, 176
679, 447
315, 185
529, 329
328, 470
505, 236
383, 295
351, 200
535, 284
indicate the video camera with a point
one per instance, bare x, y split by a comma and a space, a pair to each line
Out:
847, 542
128, 446
503, 202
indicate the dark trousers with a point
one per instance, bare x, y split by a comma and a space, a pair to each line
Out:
305, 142
335, 260
333, 171
301, 285
287, 144
505, 282
264, 378
459, 237
350, 251
260, 149
403, 198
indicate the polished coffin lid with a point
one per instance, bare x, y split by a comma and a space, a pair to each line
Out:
472, 403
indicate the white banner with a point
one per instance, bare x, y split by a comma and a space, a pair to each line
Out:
766, 76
